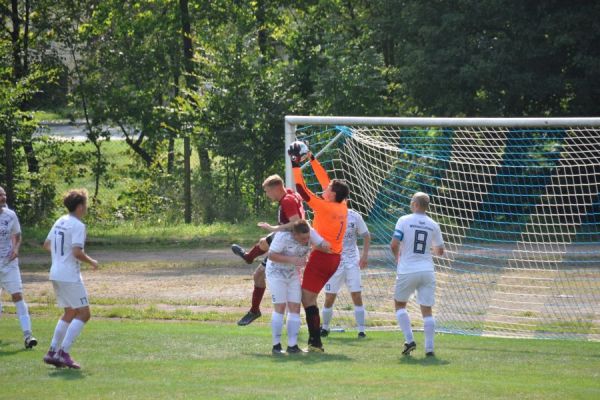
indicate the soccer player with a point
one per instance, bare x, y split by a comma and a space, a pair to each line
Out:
287, 255
66, 242
330, 216
10, 275
349, 272
290, 211
416, 237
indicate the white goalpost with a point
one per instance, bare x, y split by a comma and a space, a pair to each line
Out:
518, 201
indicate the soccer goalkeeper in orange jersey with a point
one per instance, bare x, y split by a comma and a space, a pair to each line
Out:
330, 215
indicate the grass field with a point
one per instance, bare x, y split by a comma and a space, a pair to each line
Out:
176, 360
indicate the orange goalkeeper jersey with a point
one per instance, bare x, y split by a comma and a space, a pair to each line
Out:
329, 217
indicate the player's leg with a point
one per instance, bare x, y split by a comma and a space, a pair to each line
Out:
11, 281
332, 287
403, 291
354, 284
277, 325
260, 285
24, 319
327, 312
294, 297
259, 249
76, 297
319, 269
278, 288
426, 299
59, 334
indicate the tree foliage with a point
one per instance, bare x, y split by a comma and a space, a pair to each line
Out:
254, 62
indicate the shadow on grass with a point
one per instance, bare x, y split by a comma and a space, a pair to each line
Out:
5, 352
66, 373
304, 358
346, 340
426, 361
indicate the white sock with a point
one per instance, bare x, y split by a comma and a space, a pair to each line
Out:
73, 331
429, 328
293, 327
59, 334
23, 314
359, 315
327, 315
276, 327
404, 323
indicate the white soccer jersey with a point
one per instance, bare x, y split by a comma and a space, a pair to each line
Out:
9, 226
355, 226
285, 244
67, 232
417, 233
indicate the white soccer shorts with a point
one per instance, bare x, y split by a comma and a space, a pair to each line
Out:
284, 285
423, 282
10, 278
70, 294
349, 276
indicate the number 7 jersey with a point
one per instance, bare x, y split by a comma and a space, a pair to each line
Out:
417, 233
67, 232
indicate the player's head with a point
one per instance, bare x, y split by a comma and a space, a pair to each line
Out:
301, 231
2, 197
419, 202
76, 201
274, 188
336, 191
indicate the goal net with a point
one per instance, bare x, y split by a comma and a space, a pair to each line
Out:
519, 207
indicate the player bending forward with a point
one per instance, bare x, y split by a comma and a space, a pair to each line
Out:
349, 272
287, 256
330, 215
65, 242
415, 238
290, 210
10, 275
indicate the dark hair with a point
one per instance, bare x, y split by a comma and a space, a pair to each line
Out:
301, 226
75, 197
340, 188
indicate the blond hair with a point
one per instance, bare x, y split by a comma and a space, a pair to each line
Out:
272, 181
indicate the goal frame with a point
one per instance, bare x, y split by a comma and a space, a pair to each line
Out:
292, 121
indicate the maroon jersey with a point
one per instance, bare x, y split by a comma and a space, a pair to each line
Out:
290, 205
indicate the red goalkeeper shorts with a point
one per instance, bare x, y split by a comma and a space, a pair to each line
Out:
319, 268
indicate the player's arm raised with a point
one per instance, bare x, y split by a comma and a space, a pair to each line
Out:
320, 172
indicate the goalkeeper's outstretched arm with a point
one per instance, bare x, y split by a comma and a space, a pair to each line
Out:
320, 172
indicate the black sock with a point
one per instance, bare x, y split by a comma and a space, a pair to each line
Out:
313, 321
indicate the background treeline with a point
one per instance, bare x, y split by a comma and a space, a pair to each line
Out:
223, 73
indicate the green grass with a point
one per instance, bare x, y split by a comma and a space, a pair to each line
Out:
176, 360
152, 235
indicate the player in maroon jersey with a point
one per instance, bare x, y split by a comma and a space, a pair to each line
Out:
290, 210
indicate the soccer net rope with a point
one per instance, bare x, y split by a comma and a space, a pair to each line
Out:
518, 204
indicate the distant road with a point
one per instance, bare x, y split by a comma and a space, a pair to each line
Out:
73, 130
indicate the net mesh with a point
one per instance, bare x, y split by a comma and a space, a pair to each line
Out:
519, 210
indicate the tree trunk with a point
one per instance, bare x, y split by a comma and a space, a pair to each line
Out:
188, 55
8, 164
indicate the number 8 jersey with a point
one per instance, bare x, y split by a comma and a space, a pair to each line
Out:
67, 232
417, 233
